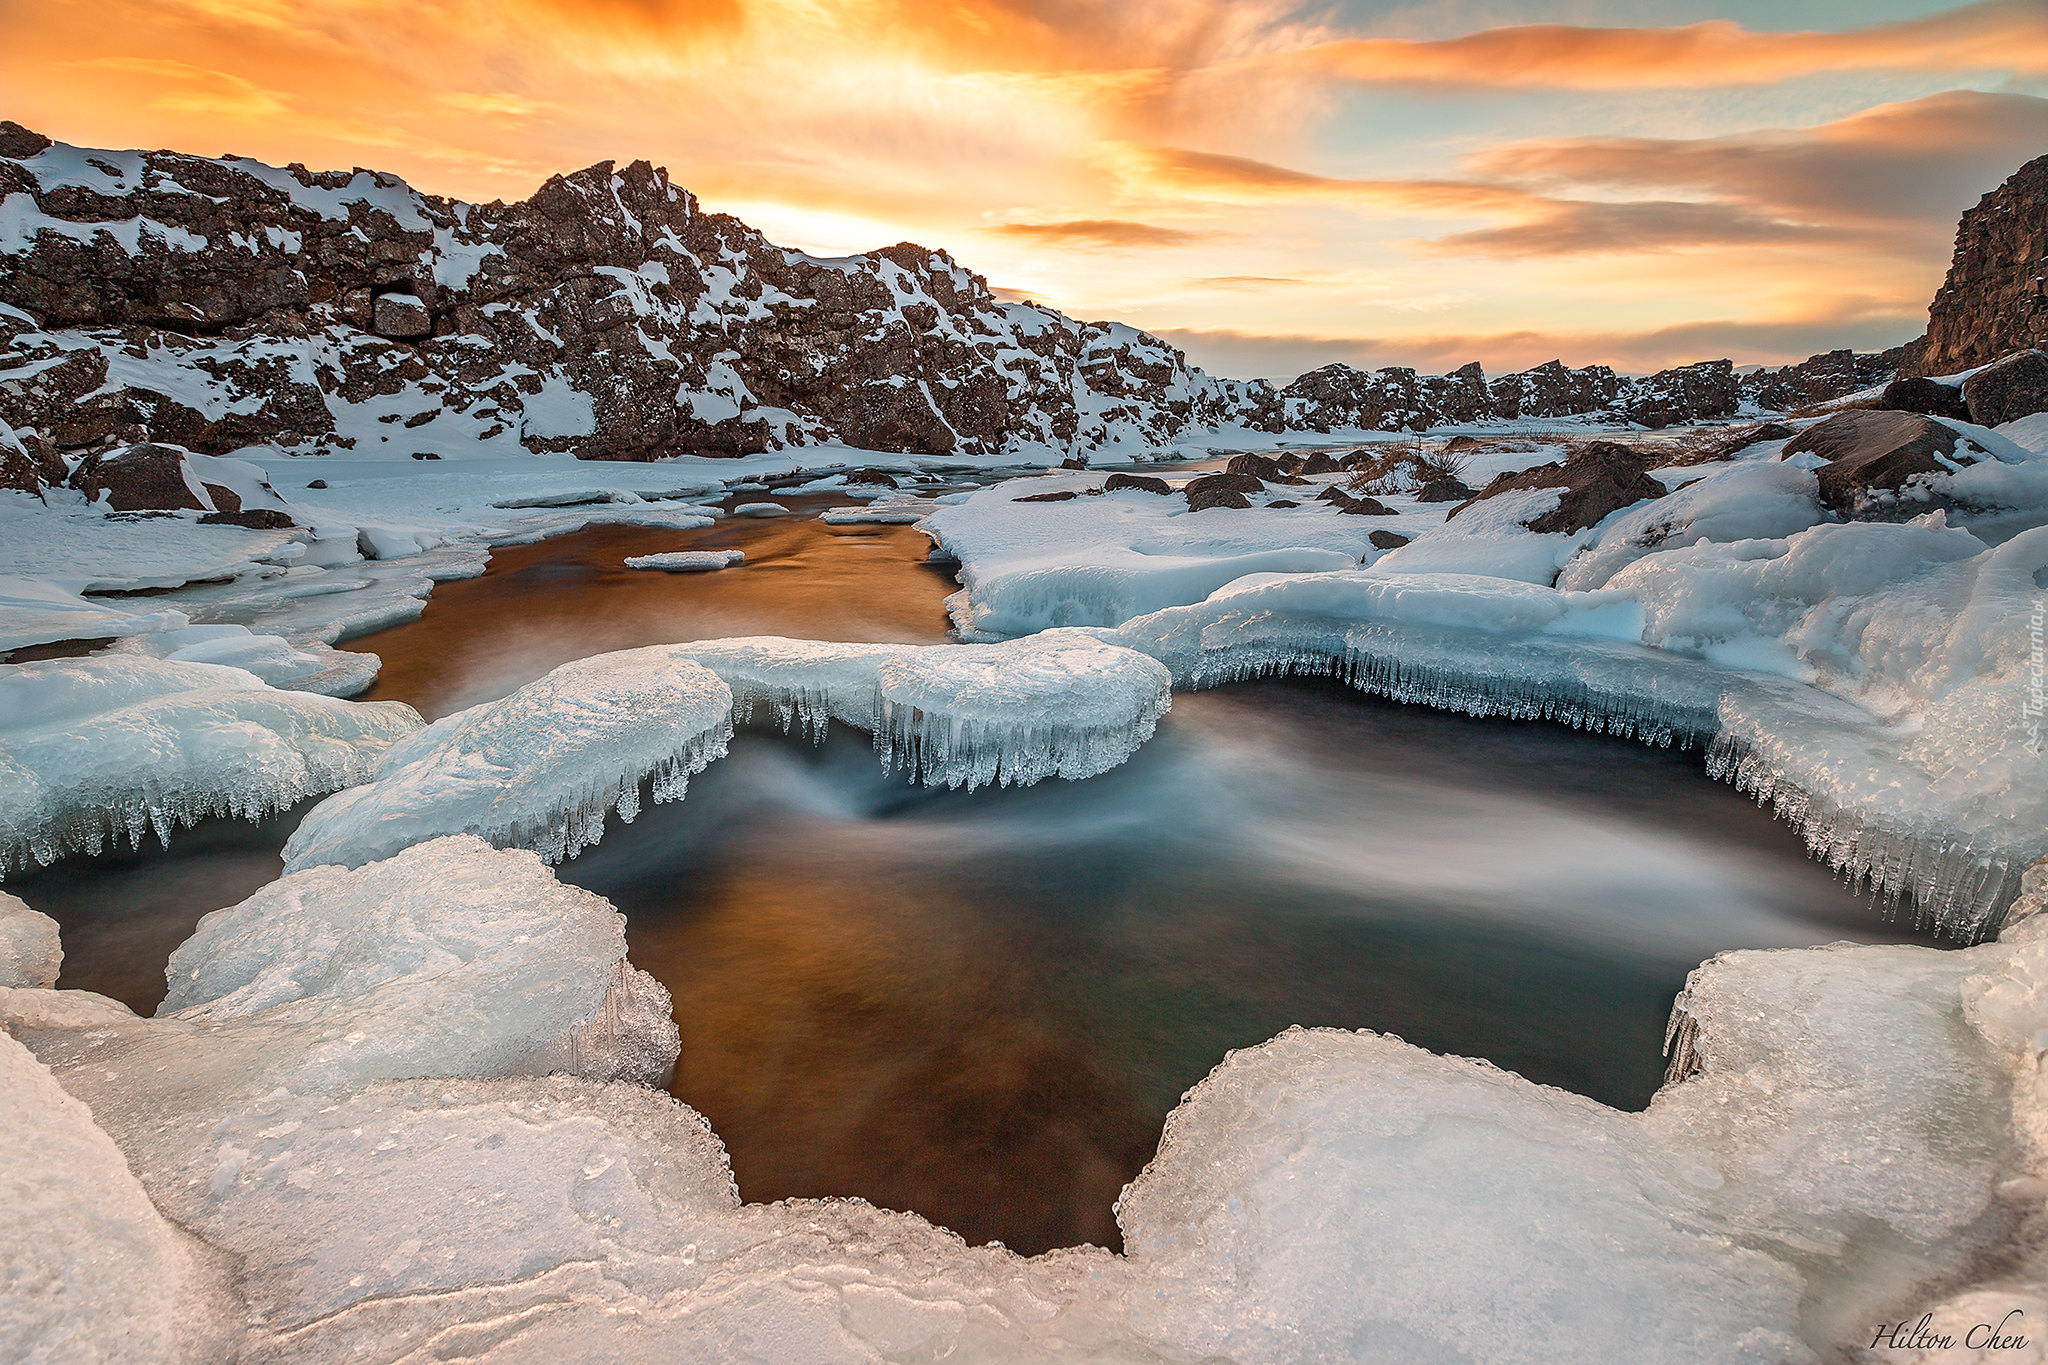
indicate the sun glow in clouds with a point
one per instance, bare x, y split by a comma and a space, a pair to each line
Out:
1273, 185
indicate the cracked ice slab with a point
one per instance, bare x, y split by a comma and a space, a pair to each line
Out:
96, 748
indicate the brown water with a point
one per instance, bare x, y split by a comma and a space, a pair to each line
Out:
981, 1006
542, 605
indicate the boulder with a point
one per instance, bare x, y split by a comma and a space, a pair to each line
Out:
1597, 479
1872, 451
1320, 462
1357, 507
878, 477
1924, 396
1143, 483
1261, 467
2007, 390
1064, 495
252, 519
1387, 540
1222, 490
1443, 490
403, 317
143, 478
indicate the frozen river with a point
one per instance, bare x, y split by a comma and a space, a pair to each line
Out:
982, 1006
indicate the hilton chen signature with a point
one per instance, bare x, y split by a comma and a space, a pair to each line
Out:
1907, 1335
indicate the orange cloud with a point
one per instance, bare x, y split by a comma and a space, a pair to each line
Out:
1106, 232
1998, 35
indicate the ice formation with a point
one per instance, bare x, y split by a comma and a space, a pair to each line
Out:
1848, 1130
1055, 704
112, 745
30, 951
451, 958
688, 561
89, 1270
540, 769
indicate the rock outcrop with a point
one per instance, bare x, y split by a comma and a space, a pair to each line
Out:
1995, 299
2007, 390
221, 303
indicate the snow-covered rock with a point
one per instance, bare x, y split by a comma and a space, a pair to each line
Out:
112, 745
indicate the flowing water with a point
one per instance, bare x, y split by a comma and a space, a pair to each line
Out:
981, 1006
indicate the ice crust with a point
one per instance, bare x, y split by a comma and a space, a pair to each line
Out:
540, 769
97, 748
688, 561
1852, 1130
544, 767
30, 951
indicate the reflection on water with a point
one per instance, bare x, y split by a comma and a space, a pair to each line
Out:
542, 605
982, 1006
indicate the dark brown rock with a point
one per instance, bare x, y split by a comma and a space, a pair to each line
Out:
1354, 506
1264, 467
140, 478
1064, 495
878, 477
1872, 451
401, 316
254, 519
1143, 483
1222, 490
2007, 390
1597, 479
1319, 462
1443, 490
1387, 540
18, 142
1924, 396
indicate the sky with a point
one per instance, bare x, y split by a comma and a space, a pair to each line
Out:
1270, 185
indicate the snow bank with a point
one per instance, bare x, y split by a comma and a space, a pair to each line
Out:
95, 748
89, 1270
1101, 560
37, 612
688, 561
30, 953
539, 769
311, 667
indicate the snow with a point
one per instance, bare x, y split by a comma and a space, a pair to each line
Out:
89, 1270
30, 953
760, 509
688, 561
36, 611
311, 668
96, 748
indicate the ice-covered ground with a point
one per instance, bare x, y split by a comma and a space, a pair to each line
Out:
344, 1098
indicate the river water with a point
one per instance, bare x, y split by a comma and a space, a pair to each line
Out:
981, 1006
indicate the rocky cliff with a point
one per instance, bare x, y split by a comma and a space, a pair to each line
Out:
1995, 299
220, 303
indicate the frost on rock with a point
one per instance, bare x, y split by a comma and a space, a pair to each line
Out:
97, 748
688, 561
540, 769
451, 959
31, 953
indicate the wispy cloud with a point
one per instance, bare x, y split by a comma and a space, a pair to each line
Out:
1100, 232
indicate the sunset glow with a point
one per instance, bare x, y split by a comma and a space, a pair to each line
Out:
1271, 185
